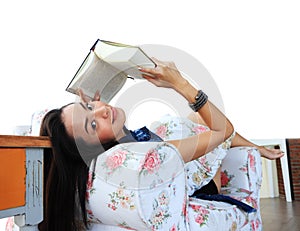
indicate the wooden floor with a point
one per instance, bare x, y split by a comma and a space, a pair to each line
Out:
277, 214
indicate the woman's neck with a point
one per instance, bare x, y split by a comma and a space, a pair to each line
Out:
124, 132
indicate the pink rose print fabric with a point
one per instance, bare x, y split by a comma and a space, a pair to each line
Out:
139, 190
151, 162
146, 186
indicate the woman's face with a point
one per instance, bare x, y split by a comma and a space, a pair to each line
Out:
94, 121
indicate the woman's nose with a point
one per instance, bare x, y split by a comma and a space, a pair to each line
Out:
101, 111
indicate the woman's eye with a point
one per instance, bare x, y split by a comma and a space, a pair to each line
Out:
93, 124
90, 107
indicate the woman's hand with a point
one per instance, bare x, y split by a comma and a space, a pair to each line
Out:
165, 74
270, 153
86, 98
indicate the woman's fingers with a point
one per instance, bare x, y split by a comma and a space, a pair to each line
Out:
83, 96
97, 96
86, 98
152, 72
165, 74
271, 154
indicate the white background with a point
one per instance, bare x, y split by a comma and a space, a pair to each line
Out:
250, 48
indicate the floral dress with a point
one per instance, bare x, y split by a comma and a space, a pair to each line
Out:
201, 171
138, 190
145, 185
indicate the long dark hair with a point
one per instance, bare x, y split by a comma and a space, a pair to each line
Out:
65, 176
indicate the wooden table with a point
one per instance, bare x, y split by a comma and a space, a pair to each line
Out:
21, 179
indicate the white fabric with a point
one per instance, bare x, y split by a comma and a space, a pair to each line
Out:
142, 191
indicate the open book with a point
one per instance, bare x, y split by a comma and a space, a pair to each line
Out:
107, 67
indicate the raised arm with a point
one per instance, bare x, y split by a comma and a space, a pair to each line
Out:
167, 75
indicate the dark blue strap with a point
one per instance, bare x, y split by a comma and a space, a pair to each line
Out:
228, 199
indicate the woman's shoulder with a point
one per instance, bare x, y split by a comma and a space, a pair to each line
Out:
140, 149
126, 162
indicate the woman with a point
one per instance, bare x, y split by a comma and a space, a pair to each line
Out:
81, 131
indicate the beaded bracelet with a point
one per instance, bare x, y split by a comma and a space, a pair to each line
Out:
200, 99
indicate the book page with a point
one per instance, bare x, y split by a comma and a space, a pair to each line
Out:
114, 53
124, 57
96, 74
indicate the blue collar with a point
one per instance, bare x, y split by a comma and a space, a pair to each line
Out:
139, 135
